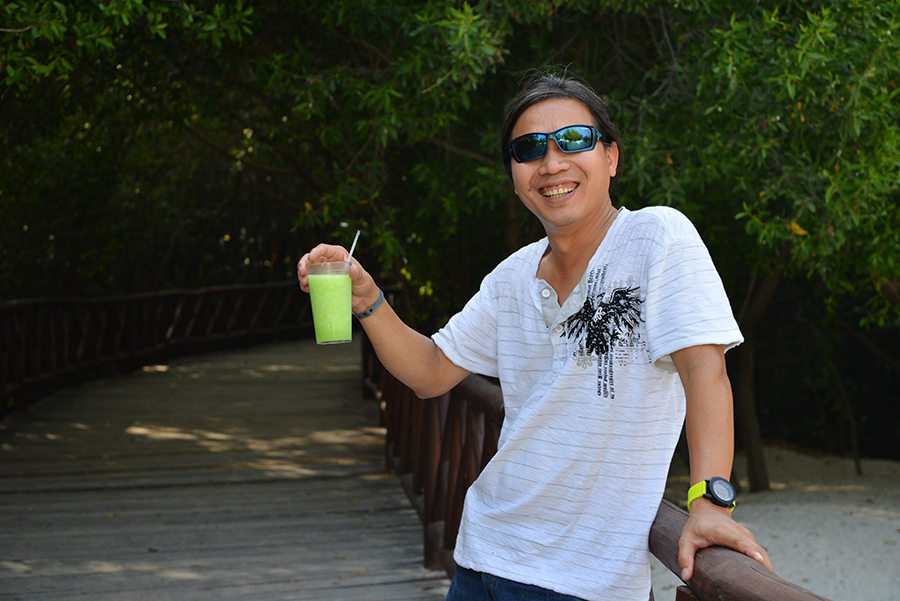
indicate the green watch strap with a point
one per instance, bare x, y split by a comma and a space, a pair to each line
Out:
695, 492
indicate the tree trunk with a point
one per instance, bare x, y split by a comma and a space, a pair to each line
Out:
746, 422
847, 411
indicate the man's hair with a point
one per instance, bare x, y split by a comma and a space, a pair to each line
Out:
538, 86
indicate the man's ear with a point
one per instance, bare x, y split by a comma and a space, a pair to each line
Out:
612, 157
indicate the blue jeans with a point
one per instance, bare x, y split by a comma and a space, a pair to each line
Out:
469, 585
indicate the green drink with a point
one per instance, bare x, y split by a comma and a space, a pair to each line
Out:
329, 294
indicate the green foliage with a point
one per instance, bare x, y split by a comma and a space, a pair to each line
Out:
383, 116
790, 117
374, 90
107, 183
46, 39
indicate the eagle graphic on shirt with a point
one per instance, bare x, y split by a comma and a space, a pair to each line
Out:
601, 323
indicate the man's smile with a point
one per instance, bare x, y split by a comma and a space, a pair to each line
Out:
557, 190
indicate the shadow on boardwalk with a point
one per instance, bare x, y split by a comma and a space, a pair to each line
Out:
253, 475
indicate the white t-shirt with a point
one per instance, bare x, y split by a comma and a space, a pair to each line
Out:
594, 406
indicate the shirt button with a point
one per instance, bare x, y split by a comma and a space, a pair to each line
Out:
558, 329
545, 293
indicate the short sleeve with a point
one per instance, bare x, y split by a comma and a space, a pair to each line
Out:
469, 339
686, 302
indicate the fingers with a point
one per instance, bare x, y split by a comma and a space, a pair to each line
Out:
357, 273
323, 253
702, 532
687, 568
687, 548
301, 272
756, 552
743, 540
688, 551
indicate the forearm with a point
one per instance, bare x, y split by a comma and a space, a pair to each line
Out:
411, 357
709, 420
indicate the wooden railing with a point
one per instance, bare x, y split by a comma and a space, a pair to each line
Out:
439, 446
49, 343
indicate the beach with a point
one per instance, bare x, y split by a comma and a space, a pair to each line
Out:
826, 528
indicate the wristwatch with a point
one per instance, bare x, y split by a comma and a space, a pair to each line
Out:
718, 490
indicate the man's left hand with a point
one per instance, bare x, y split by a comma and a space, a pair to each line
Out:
710, 525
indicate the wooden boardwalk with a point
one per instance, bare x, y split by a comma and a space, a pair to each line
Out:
255, 475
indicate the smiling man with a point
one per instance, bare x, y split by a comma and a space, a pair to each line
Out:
607, 335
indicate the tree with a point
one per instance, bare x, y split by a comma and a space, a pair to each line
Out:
89, 184
50, 39
788, 119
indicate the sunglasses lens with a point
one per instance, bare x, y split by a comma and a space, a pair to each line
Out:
529, 147
573, 139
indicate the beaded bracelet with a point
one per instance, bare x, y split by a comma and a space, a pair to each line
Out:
373, 308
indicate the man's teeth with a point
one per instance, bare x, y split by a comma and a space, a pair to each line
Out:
557, 192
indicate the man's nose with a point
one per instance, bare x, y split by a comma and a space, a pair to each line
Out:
554, 159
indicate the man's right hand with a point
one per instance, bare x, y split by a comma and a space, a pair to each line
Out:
365, 291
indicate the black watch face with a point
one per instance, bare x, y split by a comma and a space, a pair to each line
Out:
722, 490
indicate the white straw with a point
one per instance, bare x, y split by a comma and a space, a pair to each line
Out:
353, 246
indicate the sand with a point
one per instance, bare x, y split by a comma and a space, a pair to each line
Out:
825, 528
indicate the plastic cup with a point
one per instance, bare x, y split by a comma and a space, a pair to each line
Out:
329, 294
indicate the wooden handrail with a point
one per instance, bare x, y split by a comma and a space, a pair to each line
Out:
719, 573
439, 446
48, 343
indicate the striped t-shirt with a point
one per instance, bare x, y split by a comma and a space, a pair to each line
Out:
594, 406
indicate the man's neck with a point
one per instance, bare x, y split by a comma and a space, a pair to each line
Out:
569, 254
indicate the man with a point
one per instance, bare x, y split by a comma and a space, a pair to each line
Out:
606, 335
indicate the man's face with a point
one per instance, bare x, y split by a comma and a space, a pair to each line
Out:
566, 191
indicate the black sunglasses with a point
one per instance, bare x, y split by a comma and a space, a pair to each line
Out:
572, 138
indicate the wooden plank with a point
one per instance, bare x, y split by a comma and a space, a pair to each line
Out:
245, 475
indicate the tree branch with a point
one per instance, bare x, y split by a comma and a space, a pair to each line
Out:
279, 150
457, 150
256, 167
883, 357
